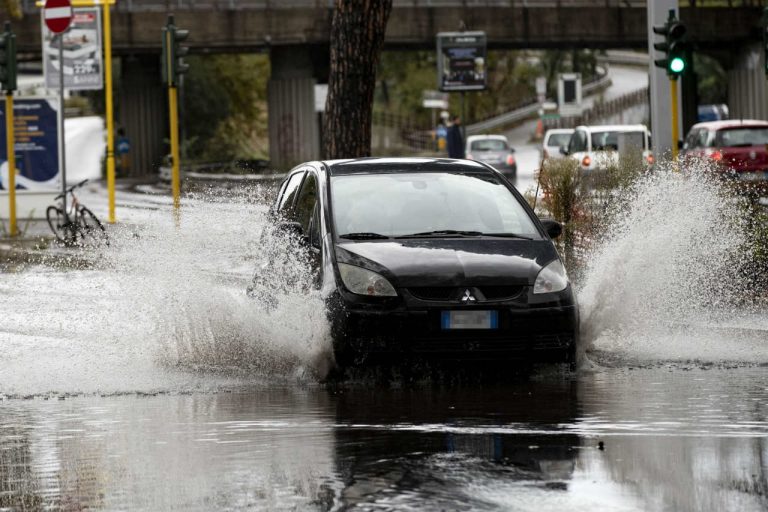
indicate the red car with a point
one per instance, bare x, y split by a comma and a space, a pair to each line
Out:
739, 145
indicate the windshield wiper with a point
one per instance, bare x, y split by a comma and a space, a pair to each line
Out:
508, 235
364, 236
441, 232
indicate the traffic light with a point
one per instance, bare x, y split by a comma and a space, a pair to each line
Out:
8, 59
675, 60
173, 53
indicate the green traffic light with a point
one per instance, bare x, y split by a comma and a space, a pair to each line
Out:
677, 65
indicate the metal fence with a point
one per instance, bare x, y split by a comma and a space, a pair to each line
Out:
29, 6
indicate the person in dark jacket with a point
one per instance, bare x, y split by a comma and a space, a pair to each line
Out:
455, 139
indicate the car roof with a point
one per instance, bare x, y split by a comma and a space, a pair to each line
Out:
614, 128
732, 123
371, 165
554, 131
473, 138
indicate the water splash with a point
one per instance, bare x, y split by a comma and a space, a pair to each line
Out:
666, 283
163, 308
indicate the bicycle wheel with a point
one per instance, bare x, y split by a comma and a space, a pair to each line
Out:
58, 223
90, 227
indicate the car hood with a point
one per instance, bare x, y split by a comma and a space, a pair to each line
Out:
451, 262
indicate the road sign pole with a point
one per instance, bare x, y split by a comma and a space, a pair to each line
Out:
61, 124
675, 120
109, 110
10, 146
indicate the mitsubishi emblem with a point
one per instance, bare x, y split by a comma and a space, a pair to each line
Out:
752, 155
468, 297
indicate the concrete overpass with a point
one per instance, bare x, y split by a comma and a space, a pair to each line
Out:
296, 34
247, 25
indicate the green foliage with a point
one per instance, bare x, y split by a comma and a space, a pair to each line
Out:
712, 80
403, 76
225, 106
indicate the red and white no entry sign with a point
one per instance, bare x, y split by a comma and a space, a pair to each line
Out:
57, 15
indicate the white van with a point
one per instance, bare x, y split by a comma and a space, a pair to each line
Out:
597, 147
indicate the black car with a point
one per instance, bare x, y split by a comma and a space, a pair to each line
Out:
433, 257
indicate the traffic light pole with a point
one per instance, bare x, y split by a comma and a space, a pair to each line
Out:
10, 147
109, 110
173, 115
675, 120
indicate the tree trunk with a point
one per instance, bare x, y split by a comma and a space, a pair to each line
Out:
357, 35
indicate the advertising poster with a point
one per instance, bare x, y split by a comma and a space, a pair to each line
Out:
82, 52
37, 144
461, 61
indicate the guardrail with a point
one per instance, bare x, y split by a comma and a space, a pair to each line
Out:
529, 111
601, 111
28, 6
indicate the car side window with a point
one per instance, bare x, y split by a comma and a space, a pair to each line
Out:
578, 142
704, 139
289, 191
305, 204
691, 140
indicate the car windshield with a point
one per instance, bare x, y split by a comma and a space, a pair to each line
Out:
617, 141
559, 139
735, 137
400, 204
488, 145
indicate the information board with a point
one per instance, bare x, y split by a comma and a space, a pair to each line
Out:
37, 143
461, 61
81, 52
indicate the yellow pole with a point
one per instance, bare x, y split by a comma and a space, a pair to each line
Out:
673, 98
174, 115
109, 109
11, 150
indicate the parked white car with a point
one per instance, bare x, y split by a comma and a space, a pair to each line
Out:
555, 139
597, 147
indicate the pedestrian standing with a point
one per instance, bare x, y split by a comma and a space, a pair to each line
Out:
455, 139
123, 152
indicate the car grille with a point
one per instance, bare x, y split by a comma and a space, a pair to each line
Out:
452, 293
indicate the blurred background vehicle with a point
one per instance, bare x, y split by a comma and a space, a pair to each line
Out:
740, 146
598, 147
553, 140
493, 150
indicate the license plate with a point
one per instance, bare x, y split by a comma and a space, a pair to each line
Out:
470, 319
754, 176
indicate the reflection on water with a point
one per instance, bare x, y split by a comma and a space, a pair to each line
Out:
695, 440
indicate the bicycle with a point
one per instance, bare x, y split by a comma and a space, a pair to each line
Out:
77, 224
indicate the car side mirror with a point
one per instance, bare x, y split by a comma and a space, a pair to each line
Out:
563, 150
553, 228
291, 230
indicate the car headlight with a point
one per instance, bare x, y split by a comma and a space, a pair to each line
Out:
365, 282
551, 278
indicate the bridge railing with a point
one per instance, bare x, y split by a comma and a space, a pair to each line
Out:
28, 6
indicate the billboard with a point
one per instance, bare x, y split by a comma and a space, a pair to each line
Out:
461, 61
37, 144
81, 52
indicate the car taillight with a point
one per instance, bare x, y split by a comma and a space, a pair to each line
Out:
586, 161
510, 160
716, 155
650, 159
470, 157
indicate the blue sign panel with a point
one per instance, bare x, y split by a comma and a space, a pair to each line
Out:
37, 144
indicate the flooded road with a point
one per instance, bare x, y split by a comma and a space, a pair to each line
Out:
673, 439
141, 377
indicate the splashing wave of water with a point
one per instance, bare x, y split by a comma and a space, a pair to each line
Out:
163, 309
665, 284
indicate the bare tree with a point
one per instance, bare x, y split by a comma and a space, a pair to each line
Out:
357, 36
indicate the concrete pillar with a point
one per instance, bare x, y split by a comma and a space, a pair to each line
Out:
658, 83
747, 95
142, 111
294, 134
